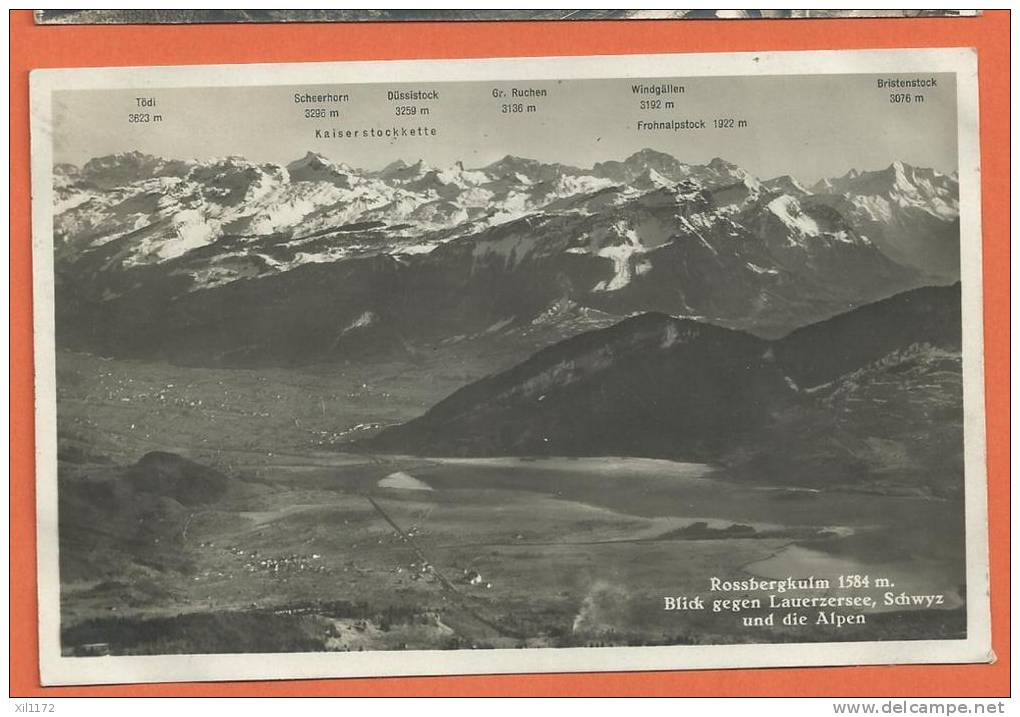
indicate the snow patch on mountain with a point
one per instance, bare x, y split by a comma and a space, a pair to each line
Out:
788, 210
508, 250
365, 320
190, 230
622, 256
572, 185
411, 249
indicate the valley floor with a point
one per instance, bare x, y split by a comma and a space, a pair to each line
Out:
310, 549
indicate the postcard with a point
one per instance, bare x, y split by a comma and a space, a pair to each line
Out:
512, 365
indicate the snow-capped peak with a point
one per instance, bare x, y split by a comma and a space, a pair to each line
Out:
315, 159
314, 167
786, 184
880, 193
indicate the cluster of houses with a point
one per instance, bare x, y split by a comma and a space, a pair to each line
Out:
424, 570
287, 564
473, 577
419, 571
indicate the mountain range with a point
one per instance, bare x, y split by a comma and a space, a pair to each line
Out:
232, 262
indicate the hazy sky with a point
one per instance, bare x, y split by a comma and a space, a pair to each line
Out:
807, 126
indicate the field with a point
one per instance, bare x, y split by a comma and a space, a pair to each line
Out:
302, 548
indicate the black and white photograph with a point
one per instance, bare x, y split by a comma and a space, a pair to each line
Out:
514, 365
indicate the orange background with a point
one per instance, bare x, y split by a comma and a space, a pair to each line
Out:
69, 46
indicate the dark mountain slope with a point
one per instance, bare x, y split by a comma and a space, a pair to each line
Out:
172, 476
823, 351
651, 386
112, 517
660, 387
